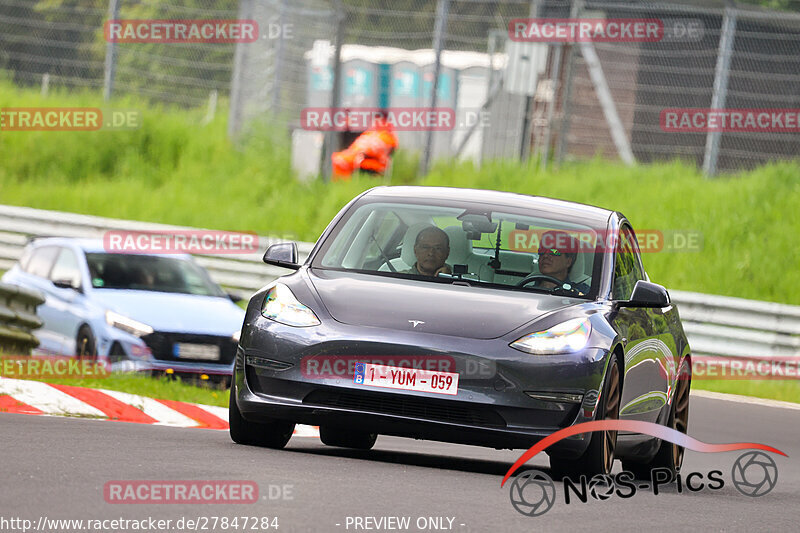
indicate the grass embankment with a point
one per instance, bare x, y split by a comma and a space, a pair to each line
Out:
175, 169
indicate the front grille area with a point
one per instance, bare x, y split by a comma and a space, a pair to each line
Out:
424, 408
162, 345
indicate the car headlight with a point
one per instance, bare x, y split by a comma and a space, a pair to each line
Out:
134, 327
281, 306
236, 335
566, 337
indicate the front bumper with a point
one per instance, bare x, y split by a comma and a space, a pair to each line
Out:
493, 406
139, 355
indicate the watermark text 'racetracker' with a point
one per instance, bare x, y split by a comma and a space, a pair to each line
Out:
180, 242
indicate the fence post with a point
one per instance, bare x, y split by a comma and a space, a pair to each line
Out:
720, 93
211, 111
239, 60
440, 30
276, 84
555, 73
330, 136
111, 54
525, 142
45, 84
567, 103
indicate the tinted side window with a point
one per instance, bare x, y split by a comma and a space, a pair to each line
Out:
66, 268
41, 261
633, 244
627, 270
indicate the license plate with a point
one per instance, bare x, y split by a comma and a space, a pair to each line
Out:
395, 377
204, 352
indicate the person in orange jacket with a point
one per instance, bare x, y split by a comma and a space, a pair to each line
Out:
370, 152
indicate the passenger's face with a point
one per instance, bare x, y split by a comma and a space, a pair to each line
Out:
554, 264
431, 251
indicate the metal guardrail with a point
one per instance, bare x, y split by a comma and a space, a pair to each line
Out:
715, 325
241, 274
737, 327
18, 319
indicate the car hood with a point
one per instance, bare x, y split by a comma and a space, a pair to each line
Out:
444, 309
188, 313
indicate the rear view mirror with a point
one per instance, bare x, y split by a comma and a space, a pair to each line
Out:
282, 254
646, 294
475, 225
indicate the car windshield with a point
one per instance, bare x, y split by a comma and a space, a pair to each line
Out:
475, 244
149, 273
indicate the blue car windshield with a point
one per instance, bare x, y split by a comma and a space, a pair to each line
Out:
149, 273
492, 246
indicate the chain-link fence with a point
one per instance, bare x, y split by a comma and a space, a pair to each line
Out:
734, 58
61, 43
512, 98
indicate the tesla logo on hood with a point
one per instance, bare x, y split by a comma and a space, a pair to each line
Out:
415, 323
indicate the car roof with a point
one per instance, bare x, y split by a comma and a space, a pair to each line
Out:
524, 201
91, 246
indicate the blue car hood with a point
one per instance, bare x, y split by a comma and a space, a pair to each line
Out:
188, 313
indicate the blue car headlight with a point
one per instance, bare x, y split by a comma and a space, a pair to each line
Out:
127, 324
566, 337
281, 306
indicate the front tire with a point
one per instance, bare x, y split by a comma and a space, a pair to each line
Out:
86, 345
343, 438
273, 434
598, 459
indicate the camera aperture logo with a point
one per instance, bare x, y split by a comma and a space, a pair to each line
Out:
754, 474
534, 492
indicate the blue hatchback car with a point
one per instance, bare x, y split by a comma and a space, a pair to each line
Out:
135, 311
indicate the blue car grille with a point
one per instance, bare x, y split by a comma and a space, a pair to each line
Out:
163, 346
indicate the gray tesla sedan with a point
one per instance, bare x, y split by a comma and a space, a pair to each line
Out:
466, 316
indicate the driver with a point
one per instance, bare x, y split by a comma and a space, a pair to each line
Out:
557, 253
431, 250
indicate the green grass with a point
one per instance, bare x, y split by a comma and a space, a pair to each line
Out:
162, 388
177, 170
784, 390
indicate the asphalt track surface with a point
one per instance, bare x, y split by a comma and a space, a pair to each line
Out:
57, 467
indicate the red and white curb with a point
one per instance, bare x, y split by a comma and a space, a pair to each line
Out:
37, 398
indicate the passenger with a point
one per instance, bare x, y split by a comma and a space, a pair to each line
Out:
431, 250
558, 251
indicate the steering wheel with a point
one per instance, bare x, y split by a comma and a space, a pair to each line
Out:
527, 279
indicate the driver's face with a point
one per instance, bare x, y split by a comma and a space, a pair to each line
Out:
431, 251
554, 265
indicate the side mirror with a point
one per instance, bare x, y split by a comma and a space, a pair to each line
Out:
66, 284
646, 294
282, 254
